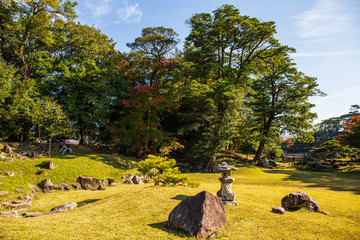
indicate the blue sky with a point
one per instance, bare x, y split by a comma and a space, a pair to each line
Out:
325, 33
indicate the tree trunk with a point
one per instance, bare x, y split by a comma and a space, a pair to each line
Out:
210, 164
50, 140
259, 150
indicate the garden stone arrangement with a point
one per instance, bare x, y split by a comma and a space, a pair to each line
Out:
298, 200
225, 193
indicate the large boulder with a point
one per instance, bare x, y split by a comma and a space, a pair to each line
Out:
199, 215
46, 185
137, 180
89, 183
295, 200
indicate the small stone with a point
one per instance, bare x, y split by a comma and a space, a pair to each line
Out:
7, 149
113, 184
101, 187
111, 180
59, 186
280, 210
19, 190
10, 174
326, 213
77, 186
33, 188
137, 180
3, 193
50, 165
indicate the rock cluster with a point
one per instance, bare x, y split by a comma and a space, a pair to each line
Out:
202, 215
297, 200
131, 178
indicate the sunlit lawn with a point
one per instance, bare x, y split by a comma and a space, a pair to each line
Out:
141, 211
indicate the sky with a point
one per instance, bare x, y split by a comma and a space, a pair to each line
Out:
325, 34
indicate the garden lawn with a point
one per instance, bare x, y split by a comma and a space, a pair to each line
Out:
141, 211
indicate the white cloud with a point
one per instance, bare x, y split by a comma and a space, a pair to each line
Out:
130, 13
326, 18
99, 8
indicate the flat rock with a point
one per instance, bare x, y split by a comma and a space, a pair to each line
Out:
10, 214
279, 210
3, 193
200, 215
295, 200
35, 214
64, 207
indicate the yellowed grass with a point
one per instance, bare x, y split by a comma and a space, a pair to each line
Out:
141, 211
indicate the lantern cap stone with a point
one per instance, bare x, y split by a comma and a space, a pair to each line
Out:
223, 167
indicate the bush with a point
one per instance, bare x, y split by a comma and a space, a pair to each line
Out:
163, 170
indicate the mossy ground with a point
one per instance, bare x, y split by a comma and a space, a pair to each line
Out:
141, 211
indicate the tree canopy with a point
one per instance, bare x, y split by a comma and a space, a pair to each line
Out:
232, 84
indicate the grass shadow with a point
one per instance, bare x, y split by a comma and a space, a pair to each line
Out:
331, 180
86, 202
117, 161
176, 232
179, 197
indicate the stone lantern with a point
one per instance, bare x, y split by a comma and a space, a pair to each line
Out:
225, 193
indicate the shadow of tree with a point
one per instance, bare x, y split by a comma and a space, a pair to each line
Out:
86, 202
331, 180
176, 232
179, 197
117, 161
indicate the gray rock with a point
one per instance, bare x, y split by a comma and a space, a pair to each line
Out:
64, 207
111, 180
295, 200
10, 174
113, 184
35, 214
50, 165
89, 182
19, 204
46, 185
7, 149
280, 210
312, 205
3, 193
137, 180
2, 155
77, 186
200, 215
33, 188
101, 187
128, 178
19, 190
105, 183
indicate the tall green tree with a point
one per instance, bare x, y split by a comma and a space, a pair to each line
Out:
220, 53
84, 79
279, 101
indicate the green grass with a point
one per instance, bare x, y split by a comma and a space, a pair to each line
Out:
141, 211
